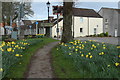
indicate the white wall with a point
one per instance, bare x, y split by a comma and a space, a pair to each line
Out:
93, 22
78, 24
88, 25
1, 31
54, 29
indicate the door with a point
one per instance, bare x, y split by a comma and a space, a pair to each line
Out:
115, 32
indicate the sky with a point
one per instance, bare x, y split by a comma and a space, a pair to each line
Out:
40, 8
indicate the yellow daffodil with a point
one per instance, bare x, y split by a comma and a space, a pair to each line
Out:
1, 69
69, 47
102, 53
108, 65
118, 46
91, 48
76, 50
119, 56
104, 47
13, 42
82, 55
91, 56
86, 56
70, 53
9, 49
117, 64
17, 55
12, 50
89, 53
80, 52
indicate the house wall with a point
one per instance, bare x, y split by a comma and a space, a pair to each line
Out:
87, 24
112, 16
54, 29
95, 23
1, 31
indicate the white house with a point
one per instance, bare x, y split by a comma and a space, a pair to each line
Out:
85, 22
1, 31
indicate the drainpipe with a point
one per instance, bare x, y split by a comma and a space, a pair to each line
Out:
73, 26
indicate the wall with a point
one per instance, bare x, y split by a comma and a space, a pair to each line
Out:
95, 23
84, 23
112, 16
54, 29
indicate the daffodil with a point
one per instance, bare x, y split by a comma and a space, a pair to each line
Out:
104, 47
69, 47
17, 55
86, 56
91, 56
119, 56
108, 65
1, 69
70, 53
82, 55
76, 50
89, 53
9, 49
117, 64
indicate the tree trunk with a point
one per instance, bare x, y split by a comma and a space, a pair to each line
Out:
67, 22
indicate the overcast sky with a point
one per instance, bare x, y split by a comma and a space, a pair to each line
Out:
40, 8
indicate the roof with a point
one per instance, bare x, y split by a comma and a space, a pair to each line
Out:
85, 12
27, 22
109, 9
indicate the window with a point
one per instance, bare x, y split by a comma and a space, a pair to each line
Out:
81, 19
95, 30
97, 25
106, 20
81, 29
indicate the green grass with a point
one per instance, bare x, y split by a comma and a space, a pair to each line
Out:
63, 68
68, 62
18, 70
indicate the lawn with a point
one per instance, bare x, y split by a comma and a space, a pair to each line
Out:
16, 55
86, 59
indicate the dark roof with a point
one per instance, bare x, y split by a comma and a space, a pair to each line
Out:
109, 9
27, 22
85, 12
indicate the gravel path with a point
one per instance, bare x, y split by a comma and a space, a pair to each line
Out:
110, 40
40, 66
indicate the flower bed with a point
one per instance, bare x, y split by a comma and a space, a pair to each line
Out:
40, 35
12, 53
92, 59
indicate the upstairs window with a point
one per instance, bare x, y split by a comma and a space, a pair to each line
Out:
106, 20
81, 19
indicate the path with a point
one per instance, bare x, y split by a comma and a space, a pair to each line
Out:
40, 66
111, 40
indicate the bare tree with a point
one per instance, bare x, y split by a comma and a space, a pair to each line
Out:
67, 21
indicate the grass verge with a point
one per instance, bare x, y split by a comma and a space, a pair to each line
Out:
18, 70
63, 67
86, 59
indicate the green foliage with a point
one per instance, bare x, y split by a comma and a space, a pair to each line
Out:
102, 64
18, 69
12, 52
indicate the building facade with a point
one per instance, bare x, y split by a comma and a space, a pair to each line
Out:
86, 22
110, 20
